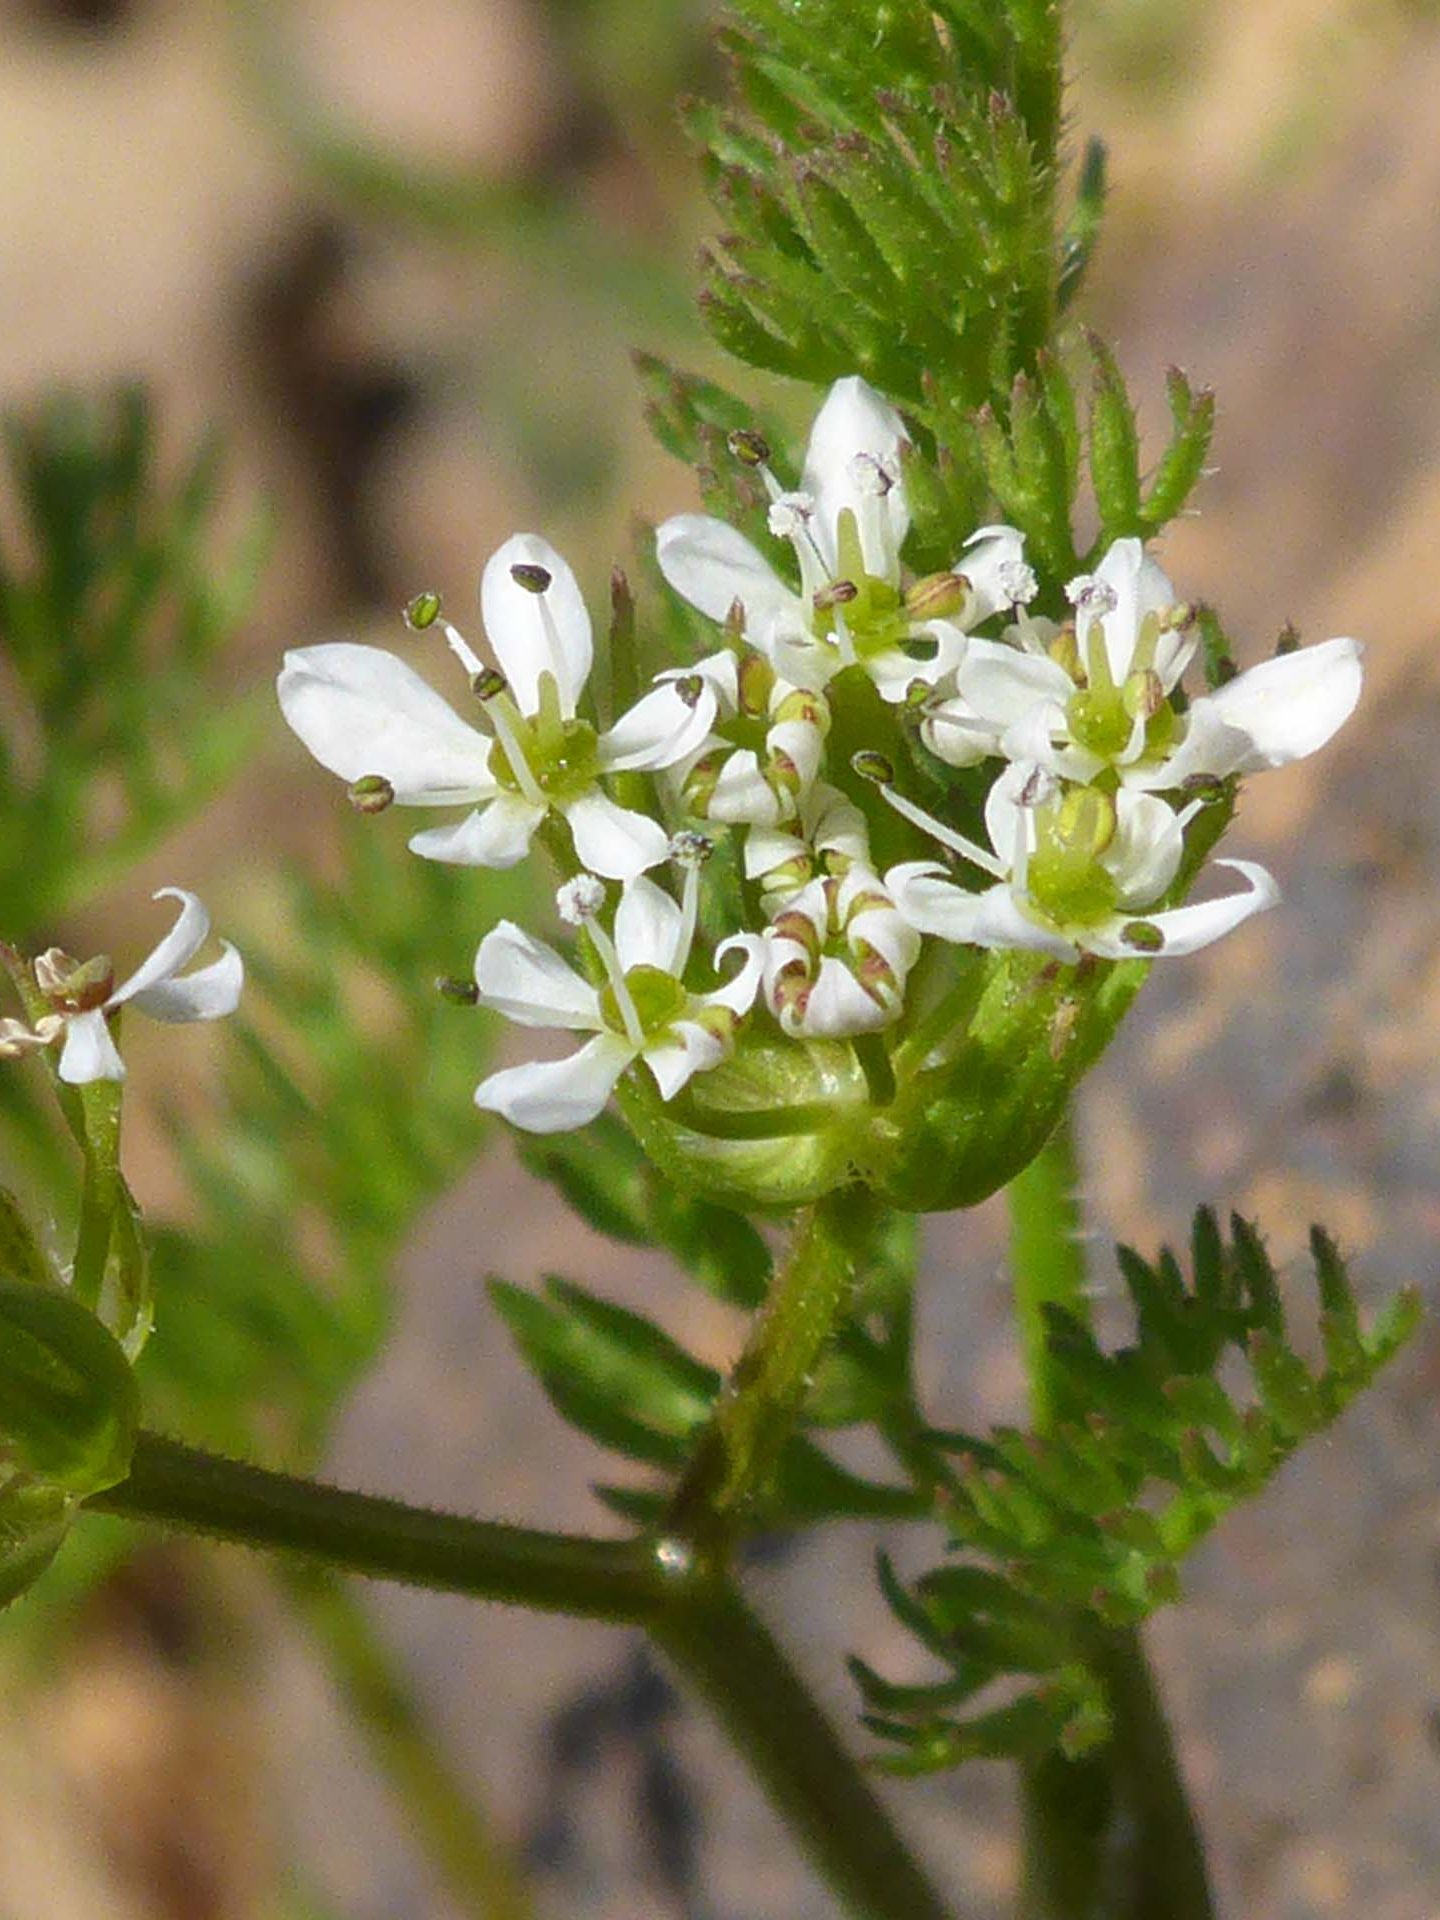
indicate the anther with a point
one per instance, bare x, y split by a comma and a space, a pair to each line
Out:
372, 793
839, 593
689, 689
422, 612
1143, 935
751, 449
873, 766
488, 684
460, 993
532, 578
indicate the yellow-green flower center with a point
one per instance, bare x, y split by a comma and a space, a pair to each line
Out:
659, 1000
1066, 878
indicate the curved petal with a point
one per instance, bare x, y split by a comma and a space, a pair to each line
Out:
553, 1096
1187, 929
854, 425
360, 710
767, 848
647, 926
933, 904
207, 994
712, 566
741, 796
1145, 854
89, 1053
988, 561
1210, 750
681, 1052
535, 633
1002, 684
837, 1006
497, 835
1290, 706
611, 840
660, 730
1008, 807
177, 949
738, 993
529, 983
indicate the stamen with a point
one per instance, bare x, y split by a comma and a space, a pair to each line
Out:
372, 793
460, 647
1018, 582
580, 899
422, 612
534, 579
874, 767
689, 851
498, 711
844, 645
615, 973
790, 514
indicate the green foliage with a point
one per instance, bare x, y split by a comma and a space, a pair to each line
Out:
1084, 1527
348, 1108
114, 606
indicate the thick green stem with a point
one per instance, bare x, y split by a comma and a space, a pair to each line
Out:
441, 1811
756, 1413
1111, 1836
177, 1486
700, 1621
810, 1779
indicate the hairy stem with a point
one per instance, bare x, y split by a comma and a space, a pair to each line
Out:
1111, 1836
442, 1814
810, 1779
178, 1486
757, 1410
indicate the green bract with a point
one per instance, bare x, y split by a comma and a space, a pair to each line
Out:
69, 1408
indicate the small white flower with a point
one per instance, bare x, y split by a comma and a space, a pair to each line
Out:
829, 834
1100, 697
847, 523
644, 1012
837, 957
1076, 871
363, 712
82, 994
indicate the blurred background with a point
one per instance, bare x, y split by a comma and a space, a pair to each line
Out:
397, 259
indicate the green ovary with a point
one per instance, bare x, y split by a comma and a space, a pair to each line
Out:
658, 997
564, 762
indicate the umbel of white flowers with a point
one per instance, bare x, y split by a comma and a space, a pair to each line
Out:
80, 994
1098, 769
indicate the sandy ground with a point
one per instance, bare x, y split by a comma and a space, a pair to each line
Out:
150, 220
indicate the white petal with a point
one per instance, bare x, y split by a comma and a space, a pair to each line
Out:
528, 982
361, 710
769, 847
1005, 816
1290, 706
803, 744
180, 945
611, 840
712, 566
854, 421
1140, 586
497, 835
987, 560
738, 994
741, 796
647, 926
1146, 852
89, 1053
933, 904
660, 730
837, 1005
891, 935
553, 1096
1210, 748
1032, 739
526, 643
1002, 684
1186, 929
681, 1052
956, 734
208, 994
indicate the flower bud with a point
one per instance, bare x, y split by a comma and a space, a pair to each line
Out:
33, 1524
69, 1408
938, 596
72, 986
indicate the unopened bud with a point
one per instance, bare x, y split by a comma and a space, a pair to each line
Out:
937, 596
459, 992
735, 623
873, 766
371, 794
751, 449
69, 1408
423, 611
534, 579
755, 682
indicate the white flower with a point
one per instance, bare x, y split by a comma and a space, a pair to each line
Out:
764, 750
81, 994
1100, 697
364, 713
847, 523
837, 957
1076, 871
644, 1012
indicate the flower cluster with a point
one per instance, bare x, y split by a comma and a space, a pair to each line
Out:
850, 737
